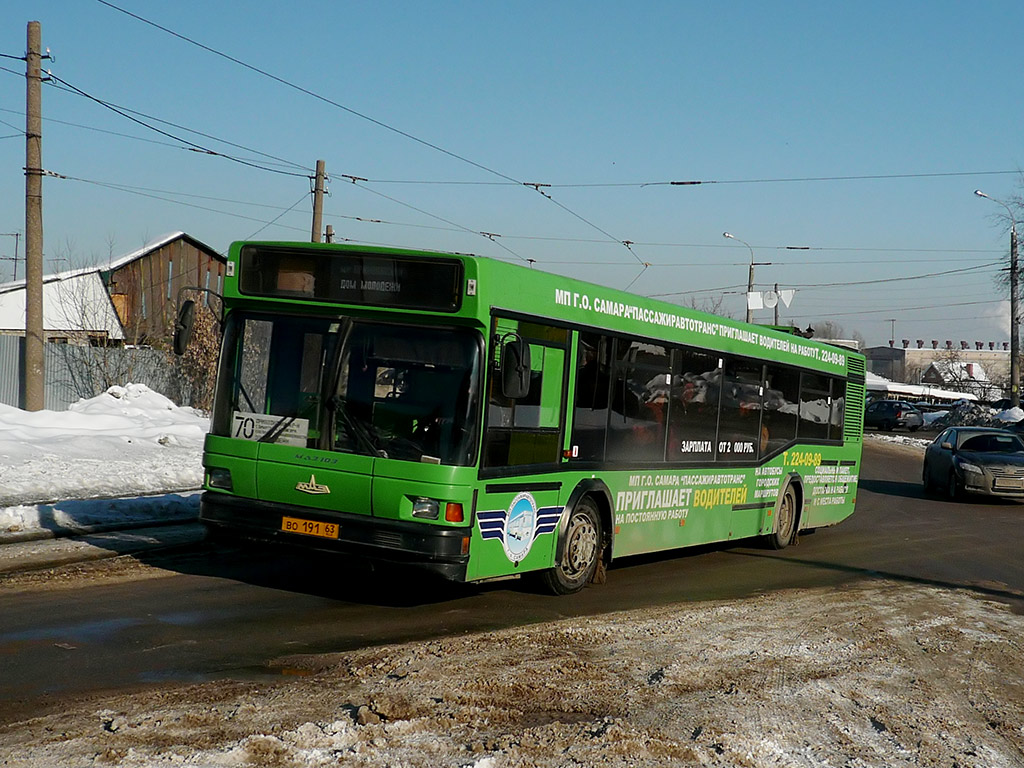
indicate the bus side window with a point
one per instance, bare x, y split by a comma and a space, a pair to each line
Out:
815, 407
593, 381
739, 427
693, 406
781, 405
640, 387
528, 430
835, 430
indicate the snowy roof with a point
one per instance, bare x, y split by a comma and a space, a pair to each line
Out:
876, 383
959, 370
111, 265
76, 302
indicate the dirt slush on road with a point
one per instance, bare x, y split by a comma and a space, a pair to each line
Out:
872, 674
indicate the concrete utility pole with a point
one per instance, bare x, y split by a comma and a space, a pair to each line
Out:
1014, 308
34, 379
329, 237
318, 200
750, 273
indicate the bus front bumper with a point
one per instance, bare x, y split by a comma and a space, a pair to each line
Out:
440, 550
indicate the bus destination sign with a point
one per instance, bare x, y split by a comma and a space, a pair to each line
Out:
351, 277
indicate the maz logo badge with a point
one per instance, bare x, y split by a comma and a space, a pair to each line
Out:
312, 486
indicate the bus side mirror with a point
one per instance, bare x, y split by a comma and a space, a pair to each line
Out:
515, 368
183, 326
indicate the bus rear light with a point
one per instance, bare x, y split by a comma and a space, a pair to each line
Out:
426, 509
217, 477
453, 513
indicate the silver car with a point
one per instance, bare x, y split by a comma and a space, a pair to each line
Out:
975, 460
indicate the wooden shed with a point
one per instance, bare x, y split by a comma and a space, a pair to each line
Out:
144, 285
130, 300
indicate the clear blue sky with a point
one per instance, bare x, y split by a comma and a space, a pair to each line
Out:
561, 93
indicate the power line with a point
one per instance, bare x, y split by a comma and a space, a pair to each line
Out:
136, 191
489, 236
694, 183
306, 91
190, 144
889, 310
535, 186
840, 285
275, 219
152, 141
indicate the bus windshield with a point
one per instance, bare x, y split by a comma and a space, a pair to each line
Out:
351, 386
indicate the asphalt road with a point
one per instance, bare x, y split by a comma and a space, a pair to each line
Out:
212, 614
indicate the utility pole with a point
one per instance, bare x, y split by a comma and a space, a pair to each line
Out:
34, 380
1014, 321
1014, 304
776, 304
318, 200
329, 236
750, 273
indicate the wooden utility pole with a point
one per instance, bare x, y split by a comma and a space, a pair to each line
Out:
34, 380
318, 201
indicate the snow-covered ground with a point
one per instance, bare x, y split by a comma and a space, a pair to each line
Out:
128, 441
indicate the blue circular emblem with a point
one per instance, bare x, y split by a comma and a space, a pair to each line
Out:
520, 527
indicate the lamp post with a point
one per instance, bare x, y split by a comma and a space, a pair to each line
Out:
1014, 319
750, 274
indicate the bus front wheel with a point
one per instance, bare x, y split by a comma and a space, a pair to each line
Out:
785, 520
581, 551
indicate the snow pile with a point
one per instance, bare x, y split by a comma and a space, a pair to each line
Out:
966, 414
129, 440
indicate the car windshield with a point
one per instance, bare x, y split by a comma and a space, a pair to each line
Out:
351, 386
992, 443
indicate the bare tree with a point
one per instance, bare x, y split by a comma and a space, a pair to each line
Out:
195, 372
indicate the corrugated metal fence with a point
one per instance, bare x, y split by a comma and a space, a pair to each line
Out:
73, 372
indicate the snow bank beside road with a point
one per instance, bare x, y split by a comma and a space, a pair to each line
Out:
129, 440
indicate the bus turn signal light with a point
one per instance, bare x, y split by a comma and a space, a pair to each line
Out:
453, 513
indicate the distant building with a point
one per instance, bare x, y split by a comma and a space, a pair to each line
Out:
961, 376
909, 364
130, 300
879, 386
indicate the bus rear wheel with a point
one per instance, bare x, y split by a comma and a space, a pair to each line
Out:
785, 520
581, 552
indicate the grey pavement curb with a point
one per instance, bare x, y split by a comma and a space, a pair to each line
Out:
61, 532
53, 552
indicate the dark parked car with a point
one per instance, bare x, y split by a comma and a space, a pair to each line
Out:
890, 414
976, 460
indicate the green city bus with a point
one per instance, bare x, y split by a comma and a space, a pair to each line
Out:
483, 420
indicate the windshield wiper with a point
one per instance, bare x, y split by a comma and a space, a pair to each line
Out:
271, 435
356, 428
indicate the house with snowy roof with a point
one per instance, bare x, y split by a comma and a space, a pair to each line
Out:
131, 300
962, 376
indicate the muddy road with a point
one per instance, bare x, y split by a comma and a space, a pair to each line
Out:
204, 615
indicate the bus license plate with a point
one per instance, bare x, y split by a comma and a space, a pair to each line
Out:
309, 527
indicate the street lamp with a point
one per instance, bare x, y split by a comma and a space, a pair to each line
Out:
1014, 319
750, 274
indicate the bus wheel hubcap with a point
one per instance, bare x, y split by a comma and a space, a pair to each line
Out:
581, 548
786, 515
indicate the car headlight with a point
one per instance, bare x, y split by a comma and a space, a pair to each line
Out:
967, 467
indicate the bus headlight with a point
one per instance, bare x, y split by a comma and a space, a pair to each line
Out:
218, 477
427, 509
